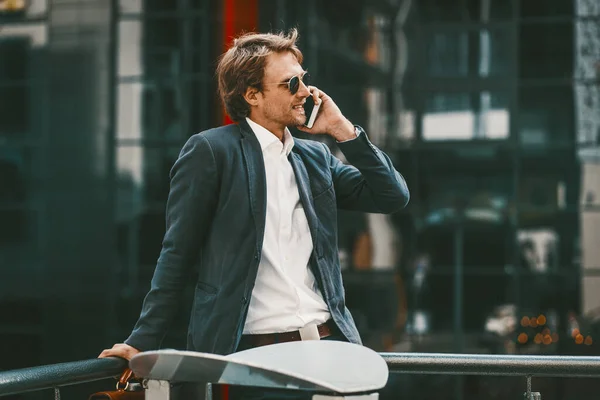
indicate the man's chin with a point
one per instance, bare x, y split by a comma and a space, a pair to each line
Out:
299, 122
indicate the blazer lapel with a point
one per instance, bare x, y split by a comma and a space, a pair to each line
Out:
257, 180
305, 195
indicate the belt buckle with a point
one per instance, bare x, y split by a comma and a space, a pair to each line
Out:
309, 332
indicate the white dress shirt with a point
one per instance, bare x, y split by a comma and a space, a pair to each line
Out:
285, 296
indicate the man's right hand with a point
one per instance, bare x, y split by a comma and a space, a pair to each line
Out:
121, 350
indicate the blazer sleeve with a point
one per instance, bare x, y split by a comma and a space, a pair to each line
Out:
371, 183
190, 205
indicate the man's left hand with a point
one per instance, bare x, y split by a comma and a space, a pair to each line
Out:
330, 120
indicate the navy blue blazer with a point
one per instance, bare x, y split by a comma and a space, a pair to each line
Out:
215, 219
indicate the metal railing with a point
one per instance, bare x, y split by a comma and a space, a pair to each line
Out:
58, 375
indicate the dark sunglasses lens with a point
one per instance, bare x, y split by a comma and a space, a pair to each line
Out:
294, 84
306, 79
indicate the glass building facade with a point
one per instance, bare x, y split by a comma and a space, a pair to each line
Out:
490, 109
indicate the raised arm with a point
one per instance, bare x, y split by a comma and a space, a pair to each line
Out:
371, 183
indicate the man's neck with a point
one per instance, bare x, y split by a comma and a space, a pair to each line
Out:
275, 129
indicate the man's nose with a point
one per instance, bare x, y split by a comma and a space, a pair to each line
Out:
303, 90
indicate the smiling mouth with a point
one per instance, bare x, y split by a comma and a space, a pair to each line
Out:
299, 108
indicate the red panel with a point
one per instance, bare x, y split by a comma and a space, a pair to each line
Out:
238, 16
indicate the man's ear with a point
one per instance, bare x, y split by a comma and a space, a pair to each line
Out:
251, 96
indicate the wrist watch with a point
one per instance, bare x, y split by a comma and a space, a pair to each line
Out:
358, 130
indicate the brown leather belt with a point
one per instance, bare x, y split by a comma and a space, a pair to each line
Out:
263, 339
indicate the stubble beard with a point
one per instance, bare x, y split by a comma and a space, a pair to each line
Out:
289, 118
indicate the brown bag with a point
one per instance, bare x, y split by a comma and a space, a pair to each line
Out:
127, 389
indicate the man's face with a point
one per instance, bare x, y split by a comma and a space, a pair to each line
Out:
277, 107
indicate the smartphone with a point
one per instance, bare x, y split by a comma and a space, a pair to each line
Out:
311, 109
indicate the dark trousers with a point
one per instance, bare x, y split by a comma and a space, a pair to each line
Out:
253, 393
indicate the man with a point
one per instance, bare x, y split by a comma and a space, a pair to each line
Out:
252, 211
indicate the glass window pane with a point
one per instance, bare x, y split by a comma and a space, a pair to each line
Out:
129, 112
546, 50
488, 187
448, 116
37, 8
15, 84
545, 8
448, 54
154, 112
161, 5
18, 166
162, 31
496, 53
464, 11
464, 116
543, 192
36, 33
131, 6
18, 227
130, 48
157, 166
546, 116
130, 181
144, 177
476, 53
486, 284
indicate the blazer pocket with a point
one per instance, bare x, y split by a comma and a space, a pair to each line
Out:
323, 192
205, 289
326, 211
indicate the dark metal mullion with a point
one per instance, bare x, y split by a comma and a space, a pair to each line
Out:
499, 24
516, 155
204, 86
111, 159
391, 91
161, 15
418, 154
186, 52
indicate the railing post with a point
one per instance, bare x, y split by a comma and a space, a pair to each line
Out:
158, 390
529, 395
208, 393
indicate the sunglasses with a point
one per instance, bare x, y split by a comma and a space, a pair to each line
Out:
294, 83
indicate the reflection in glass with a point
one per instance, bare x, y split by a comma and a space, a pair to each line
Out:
538, 249
129, 114
130, 48
129, 182
461, 116
459, 54
546, 115
131, 6
464, 11
546, 50
447, 54
375, 101
544, 8
15, 85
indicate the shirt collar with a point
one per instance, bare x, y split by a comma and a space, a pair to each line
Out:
267, 139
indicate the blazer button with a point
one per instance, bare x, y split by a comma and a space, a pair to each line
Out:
244, 300
256, 256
